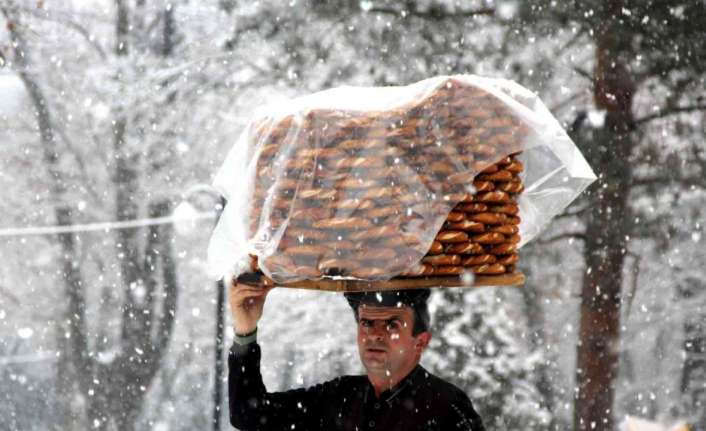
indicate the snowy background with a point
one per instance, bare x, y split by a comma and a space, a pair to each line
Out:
121, 110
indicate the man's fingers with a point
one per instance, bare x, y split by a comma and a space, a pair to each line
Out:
248, 298
237, 293
249, 289
249, 294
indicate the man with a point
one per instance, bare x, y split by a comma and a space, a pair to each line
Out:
396, 394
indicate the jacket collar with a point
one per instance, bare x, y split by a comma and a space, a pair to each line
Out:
410, 380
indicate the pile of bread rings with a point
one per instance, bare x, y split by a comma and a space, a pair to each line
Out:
481, 234
363, 194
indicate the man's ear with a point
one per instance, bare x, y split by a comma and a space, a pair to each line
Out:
422, 341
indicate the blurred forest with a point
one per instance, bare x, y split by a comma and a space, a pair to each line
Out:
119, 110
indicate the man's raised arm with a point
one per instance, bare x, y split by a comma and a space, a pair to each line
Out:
251, 406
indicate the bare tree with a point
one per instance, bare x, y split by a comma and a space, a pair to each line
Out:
114, 390
635, 45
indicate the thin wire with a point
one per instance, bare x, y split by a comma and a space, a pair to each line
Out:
106, 226
23, 359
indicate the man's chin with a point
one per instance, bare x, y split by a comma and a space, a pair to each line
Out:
377, 368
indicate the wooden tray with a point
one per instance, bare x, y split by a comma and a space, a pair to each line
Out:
336, 285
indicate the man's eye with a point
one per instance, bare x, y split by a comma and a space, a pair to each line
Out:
365, 323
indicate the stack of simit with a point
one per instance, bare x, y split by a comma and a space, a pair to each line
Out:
363, 193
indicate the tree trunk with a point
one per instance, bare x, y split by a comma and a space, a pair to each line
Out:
537, 338
693, 378
607, 230
148, 312
74, 359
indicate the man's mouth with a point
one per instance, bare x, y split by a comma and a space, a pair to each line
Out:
375, 350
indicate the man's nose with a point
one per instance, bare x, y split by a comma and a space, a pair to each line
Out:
378, 331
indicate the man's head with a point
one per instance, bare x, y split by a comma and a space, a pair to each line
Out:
393, 330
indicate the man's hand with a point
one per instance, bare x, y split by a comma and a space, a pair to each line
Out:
246, 304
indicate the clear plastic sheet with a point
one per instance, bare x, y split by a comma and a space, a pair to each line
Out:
356, 182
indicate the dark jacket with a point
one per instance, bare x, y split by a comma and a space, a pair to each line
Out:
421, 401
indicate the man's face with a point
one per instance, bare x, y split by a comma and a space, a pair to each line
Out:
386, 345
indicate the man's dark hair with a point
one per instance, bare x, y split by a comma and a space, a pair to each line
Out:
416, 299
